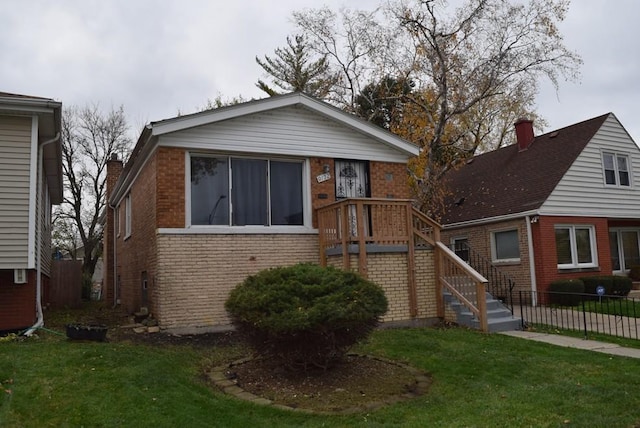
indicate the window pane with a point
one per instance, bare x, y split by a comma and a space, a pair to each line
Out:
249, 191
563, 246
609, 168
507, 245
209, 191
286, 193
630, 248
622, 163
624, 178
583, 244
461, 248
615, 252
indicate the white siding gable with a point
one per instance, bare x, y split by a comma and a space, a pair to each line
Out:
582, 190
288, 131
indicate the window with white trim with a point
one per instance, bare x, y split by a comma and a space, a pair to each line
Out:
616, 169
460, 246
505, 246
576, 246
236, 191
127, 216
116, 220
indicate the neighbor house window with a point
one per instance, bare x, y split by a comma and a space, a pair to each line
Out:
460, 246
616, 169
242, 191
576, 247
505, 246
127, 216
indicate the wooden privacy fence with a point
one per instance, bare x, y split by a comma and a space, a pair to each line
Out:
65, 288
350, 225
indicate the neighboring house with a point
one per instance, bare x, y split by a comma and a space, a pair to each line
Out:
561, 205
30, 182
207, 199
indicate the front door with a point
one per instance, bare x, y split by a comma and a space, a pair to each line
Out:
352, 181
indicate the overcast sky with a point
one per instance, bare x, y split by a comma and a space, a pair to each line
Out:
161, 57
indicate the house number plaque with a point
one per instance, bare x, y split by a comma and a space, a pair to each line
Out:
323, 177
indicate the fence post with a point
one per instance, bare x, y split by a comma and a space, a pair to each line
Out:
482, 305
584, 320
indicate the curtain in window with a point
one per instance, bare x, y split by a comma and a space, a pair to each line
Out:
249, 192
209, 191
286, 193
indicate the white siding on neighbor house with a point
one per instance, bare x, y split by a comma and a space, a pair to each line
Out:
289, 131
582, 191
15, 162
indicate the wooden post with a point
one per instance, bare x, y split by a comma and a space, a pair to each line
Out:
362, 242
482, 306
344, 231
411, 263
322, 239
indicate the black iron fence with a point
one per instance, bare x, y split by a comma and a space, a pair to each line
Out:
587, 313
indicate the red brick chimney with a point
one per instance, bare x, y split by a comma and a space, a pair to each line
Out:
524, 133
114, 168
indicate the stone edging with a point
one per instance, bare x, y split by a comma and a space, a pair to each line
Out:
229, 386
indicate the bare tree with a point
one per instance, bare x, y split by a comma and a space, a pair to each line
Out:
475, 69
89, 138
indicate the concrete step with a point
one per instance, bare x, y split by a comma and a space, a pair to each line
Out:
634, 294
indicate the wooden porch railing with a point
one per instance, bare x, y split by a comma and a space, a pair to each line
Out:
349, 225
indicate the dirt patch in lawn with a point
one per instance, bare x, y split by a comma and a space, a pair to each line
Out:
358, 384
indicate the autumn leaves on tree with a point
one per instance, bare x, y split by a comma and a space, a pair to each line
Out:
452, 81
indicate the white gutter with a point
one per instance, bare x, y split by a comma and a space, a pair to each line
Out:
491, 219
40, 320
532, 263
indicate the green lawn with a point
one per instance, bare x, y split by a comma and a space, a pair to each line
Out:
478, 380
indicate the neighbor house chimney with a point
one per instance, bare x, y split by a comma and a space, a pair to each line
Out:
524, 133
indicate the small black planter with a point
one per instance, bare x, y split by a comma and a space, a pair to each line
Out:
95, 332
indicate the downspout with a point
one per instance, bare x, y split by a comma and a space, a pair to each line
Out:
532, 263
40, 317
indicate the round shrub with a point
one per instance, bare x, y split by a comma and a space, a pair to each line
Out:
566, 292
634, 272
591, 284
621, 286
305, 315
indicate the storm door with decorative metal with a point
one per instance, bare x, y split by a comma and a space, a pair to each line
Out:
352, 181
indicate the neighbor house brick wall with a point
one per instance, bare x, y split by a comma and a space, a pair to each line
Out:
17, 301
545, 249
196, 272
480, 241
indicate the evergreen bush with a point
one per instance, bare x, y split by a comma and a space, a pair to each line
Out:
621, 286
566, 292
305, 315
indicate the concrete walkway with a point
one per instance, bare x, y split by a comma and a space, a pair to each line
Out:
574, 342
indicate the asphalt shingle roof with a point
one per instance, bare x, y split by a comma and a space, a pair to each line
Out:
508, 181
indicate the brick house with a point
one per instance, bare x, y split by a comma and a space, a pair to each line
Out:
30, 182
207, 199
565, 204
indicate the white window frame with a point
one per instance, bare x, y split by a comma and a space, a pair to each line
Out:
616, 170
306, 199
618, 230
116, 220
574, 248
127, 222
494, 251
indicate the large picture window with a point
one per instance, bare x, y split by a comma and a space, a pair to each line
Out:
576, 247
244, 192
616, 169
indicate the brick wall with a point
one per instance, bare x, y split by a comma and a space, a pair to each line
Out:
17, 301
137, 253
545, 249
196, 272
389, 271
170, 197
387, 180
114, 169
480, 241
